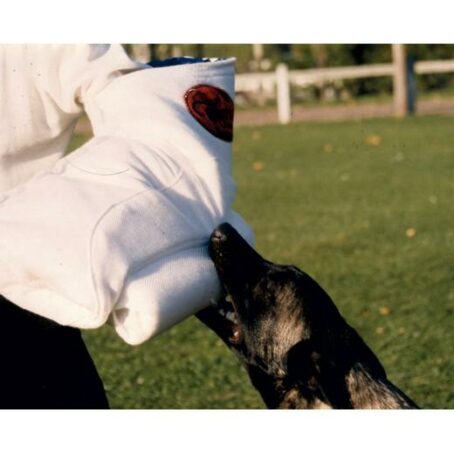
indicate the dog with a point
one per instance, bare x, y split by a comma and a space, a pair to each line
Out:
297, 348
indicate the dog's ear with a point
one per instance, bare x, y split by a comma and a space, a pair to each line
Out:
303, 363
308, 366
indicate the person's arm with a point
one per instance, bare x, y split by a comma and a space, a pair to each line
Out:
77, 73
45, 89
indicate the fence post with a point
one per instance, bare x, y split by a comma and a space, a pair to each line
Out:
141, 52
284, 109
402, 98
177, 51
411, 81
257, 52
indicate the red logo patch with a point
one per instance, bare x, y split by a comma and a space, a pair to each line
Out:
213, 109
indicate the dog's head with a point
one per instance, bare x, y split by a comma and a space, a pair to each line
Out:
279, 310
285, 328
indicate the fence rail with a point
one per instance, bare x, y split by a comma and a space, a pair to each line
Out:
245, 82
434, 67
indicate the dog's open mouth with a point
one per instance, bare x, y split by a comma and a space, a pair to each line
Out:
221, 242
239, 267
226, 309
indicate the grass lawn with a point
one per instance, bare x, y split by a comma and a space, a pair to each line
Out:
367, 209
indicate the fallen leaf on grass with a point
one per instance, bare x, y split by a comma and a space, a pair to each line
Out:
380, 330
373, 139
411, 232
328, 148
384, 310
258, 166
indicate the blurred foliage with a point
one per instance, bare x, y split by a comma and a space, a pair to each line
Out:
303, 56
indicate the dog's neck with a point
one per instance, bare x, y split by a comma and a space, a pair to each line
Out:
367, 391
358, 389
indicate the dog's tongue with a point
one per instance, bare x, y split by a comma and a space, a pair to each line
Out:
236, 334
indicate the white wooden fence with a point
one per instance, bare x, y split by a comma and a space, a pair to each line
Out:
278, 82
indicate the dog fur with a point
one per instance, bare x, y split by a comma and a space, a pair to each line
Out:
298, 350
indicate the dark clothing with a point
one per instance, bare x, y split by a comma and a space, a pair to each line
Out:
45, 365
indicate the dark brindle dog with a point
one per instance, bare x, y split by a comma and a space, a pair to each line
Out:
297, 349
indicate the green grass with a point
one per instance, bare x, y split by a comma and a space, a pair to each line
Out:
339, 208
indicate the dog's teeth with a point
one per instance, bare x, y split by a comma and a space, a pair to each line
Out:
231, 316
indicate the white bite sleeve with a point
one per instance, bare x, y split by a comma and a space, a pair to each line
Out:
119, 229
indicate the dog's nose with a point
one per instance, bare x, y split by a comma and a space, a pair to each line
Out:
219, 235
223, 232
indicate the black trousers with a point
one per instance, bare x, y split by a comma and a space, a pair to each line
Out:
44, 365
